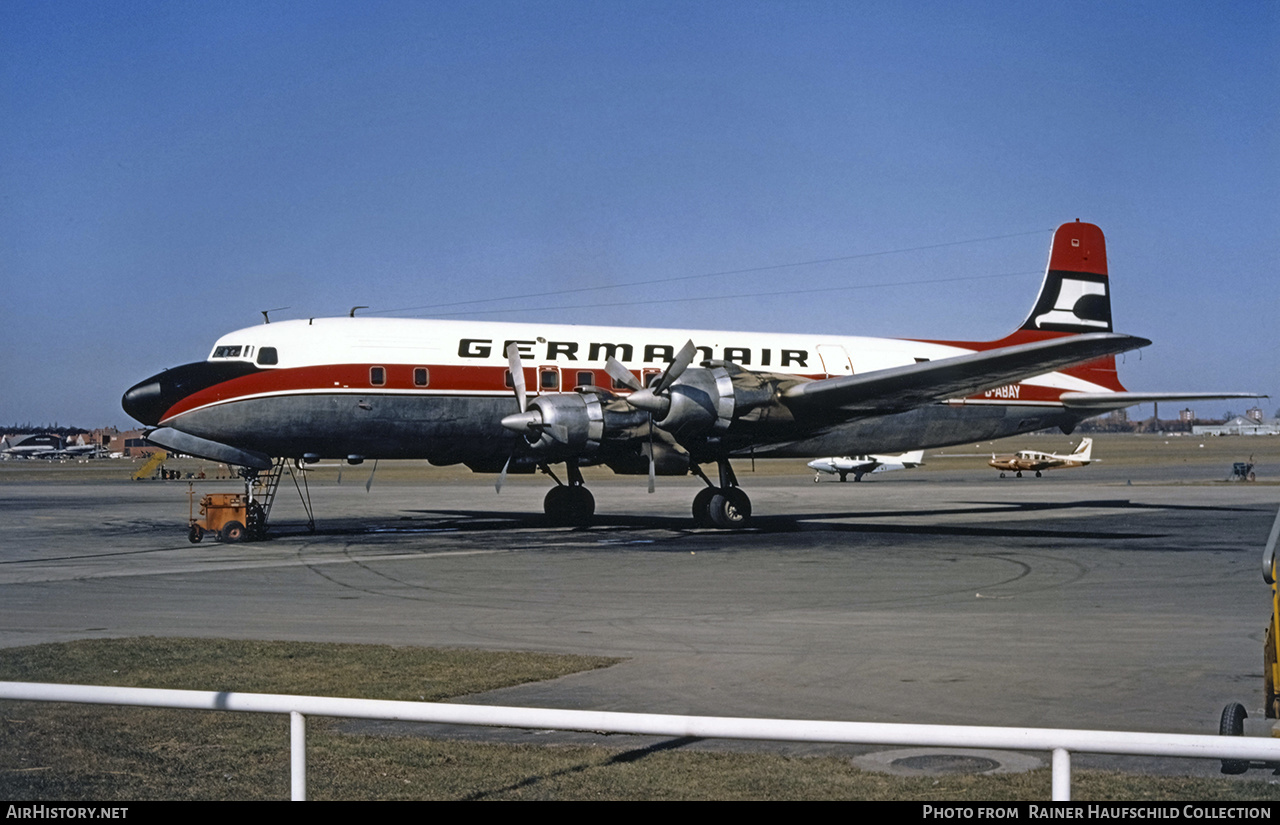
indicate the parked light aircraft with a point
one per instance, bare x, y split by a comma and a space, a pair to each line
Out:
1029, 460
860, 465
633, 399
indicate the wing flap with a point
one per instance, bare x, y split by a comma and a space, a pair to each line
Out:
914, 385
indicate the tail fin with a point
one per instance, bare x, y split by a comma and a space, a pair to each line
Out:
1075, 295
1085, 451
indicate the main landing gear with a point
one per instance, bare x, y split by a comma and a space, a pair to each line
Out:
569, 505
727, 506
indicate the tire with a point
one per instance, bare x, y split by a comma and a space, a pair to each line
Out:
233, 532
1232, 724
730, 509
569, 506
195, 534
702, 506
256, 519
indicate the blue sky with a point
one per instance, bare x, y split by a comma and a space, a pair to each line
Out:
169, 169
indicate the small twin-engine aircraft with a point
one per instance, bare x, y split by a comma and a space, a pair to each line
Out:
860, 465
1029, 460
660, 401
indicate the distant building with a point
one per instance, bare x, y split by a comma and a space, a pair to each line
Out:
1240, 425
1187, 416
1254, 414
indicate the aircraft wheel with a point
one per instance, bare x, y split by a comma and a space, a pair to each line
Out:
1002, 475
232, 531
1232, 724
569, 506
730, 508
257, 521
1037, 473
816, 478
702, 506
195, 534
844, 477
1019, 475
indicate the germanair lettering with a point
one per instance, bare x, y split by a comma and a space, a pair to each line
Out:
599, 352
652, 354
1008, 391
798, 357
474, 348
660, 353
569, 349
525, 347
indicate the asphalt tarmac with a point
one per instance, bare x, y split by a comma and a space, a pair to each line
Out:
1122, 597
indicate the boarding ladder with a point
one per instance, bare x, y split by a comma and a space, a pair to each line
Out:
260, 491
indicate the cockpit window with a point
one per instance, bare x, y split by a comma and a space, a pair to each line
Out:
268, 357
227, 352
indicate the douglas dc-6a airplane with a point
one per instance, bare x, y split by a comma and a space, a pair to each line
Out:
1038, 461
632, 399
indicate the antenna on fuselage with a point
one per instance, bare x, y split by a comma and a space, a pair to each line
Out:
352, 314
266, 319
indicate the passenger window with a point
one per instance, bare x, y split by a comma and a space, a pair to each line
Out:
377, 376
421, 377
549, 379
586, 378
267, 357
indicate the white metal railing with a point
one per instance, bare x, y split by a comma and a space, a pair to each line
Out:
1059, 742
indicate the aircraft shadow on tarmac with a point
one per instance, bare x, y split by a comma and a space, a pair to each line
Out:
866, 522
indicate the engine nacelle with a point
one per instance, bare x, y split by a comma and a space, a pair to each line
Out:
707, 401
575, 424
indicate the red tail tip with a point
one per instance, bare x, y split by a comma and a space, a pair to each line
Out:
1079, 247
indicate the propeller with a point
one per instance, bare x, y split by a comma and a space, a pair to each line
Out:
652, 399
520, 421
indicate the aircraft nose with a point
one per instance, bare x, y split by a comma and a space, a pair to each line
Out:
145, 402
149, 401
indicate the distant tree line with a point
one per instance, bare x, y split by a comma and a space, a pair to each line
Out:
55, 428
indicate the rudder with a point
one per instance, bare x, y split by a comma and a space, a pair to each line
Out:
1075, 294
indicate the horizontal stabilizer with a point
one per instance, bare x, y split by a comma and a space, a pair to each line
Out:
1103, 401
904, 388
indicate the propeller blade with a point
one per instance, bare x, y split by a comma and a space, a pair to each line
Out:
502, 476
621, 374
674, 370
369, 484
517, 376
652, 464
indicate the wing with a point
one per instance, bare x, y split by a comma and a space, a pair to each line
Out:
903, 388
1104, 401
